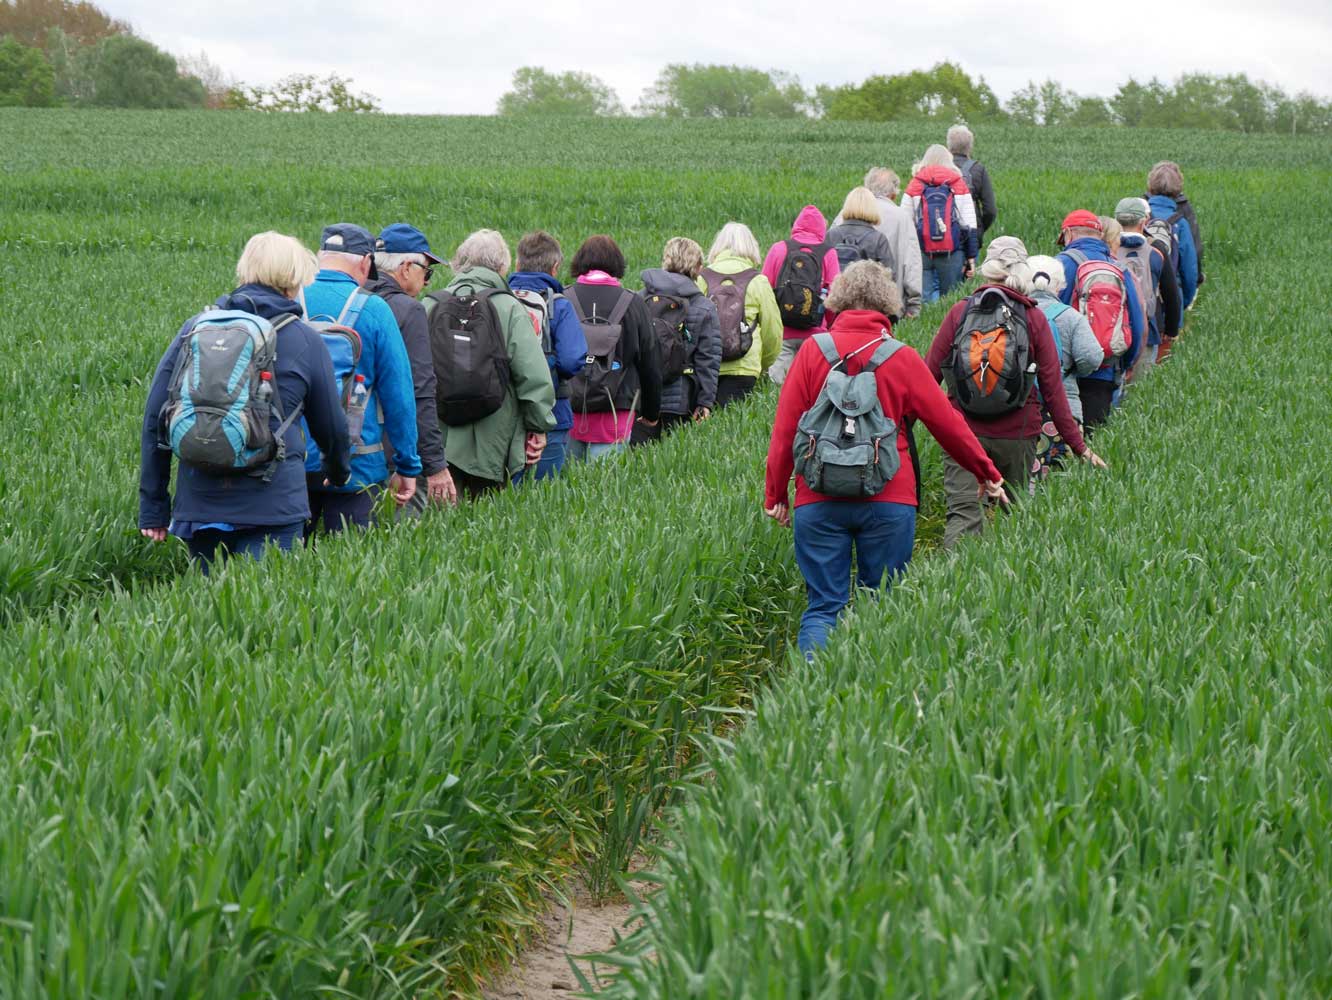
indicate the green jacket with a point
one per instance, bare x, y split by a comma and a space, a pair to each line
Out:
492, 448
760, 305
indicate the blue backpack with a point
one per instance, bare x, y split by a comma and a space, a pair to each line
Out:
344, 349
937, 223
1053, 309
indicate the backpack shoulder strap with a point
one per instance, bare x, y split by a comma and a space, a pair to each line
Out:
286, 319
1057, 309
577, 307
886, 350
621, 307
1077, 256
352, 308
828, 346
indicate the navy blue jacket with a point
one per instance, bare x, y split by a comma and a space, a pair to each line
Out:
566, 338
304, 377
1163, 207
1097, 250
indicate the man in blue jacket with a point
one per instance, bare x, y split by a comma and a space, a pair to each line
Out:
539, 258
1163, 206
1081, 235
346, 262
1164, 311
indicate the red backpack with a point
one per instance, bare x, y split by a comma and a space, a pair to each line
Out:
1100, 293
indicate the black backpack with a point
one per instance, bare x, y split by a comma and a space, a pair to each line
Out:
596, 389
471, 359
800, 285
991, 370
675, 343
848, 253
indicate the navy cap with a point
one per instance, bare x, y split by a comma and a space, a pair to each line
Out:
347, 237
402, 238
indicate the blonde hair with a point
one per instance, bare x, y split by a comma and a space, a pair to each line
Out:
936, 156
1111, 231
884, 182
484, 248
281, 262
736, 238
1047, 275
861, 204
1166, 178
681, 255
866, 284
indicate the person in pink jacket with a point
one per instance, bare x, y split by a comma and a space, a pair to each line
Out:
800, 319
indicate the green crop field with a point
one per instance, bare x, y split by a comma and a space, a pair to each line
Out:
1087, 755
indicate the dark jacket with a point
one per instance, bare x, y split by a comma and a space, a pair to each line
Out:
871, 242
304, 378
690, 391
1164, 310
643, 372
978, 180
568, 345
411, 317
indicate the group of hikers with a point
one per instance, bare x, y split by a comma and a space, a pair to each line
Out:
323, 381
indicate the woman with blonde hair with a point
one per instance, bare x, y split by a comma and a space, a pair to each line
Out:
855, 234
750, 323
239, 503
945, 212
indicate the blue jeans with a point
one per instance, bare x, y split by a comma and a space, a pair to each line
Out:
552, 459
582, 451
335, 511
940, 274
883, 535
206, 545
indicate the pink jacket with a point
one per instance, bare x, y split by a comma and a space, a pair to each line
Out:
810, 229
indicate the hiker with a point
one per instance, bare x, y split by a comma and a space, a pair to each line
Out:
494, 393
961, 143
1149, 261
556, 326
945, 218
834, 513
406, 265
381, 369
750, 320
688, 334
801, 270
1165, 196
1080, 353
220, 507
900, 229
990, 381
855, 234
621, 375
1114, 311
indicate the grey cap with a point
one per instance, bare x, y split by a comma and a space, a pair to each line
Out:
1131, 210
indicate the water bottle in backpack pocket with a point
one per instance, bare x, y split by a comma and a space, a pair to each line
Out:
596, 388
936, 225
343, 344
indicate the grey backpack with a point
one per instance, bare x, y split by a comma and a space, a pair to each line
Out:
845, 445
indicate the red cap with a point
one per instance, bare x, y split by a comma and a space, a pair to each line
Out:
1082, 219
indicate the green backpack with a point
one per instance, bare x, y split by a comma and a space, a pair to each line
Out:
845, 445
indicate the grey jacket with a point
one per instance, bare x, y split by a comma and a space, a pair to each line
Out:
412, 321
1079, 351
899, 229
689, 392
860, 234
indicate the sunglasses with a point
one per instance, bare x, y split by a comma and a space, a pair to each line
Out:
429, 269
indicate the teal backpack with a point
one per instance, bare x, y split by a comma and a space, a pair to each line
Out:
845, 445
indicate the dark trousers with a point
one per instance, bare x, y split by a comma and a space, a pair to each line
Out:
643, 434
332, 512
1013, 457
207, 545
883, 535
732, 388
1097, 398
472, 487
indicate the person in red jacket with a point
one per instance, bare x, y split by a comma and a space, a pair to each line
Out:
809, 234
882, 529
1010, 438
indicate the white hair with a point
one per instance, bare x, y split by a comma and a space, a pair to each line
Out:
884, 183
484, 248
340, 257
738, 239
936, 156
960, 140
390, 262
278, 261
1047, 275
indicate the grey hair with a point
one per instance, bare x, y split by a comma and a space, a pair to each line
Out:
484, 248
936, 156
866, 284
340, 257
736, 238
1166, 178
1047, 275
1006, 264
390, 262
883, 182
960, 140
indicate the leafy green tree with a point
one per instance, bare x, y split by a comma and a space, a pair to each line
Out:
716, 91
129, 72
1091, 111
26, 78
944, 93
1047, 103
1140, 104
302, 92
536, 91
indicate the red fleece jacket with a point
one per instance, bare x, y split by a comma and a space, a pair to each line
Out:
810, 229
906, 390
1025, 421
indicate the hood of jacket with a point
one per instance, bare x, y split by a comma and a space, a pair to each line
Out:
729, 262
867, 321
1163, 206
477, 277
1094, 248
260, 300
937, 175
810, 225
384, 286
661, 282
535, 281
1026, 300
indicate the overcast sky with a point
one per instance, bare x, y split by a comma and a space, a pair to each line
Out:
423, 57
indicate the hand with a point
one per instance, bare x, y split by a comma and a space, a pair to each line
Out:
154, 534
440, 488
702, 413
533, 446
403, 488
993, 490
780, 512
648, 423
1093, 459
970, 268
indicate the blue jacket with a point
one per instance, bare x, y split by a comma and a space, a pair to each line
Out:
388, 376
566, 338
304, 378
1163, 207
1097, 250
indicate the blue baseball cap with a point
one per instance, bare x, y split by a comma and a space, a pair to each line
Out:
402, 238
347, 237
